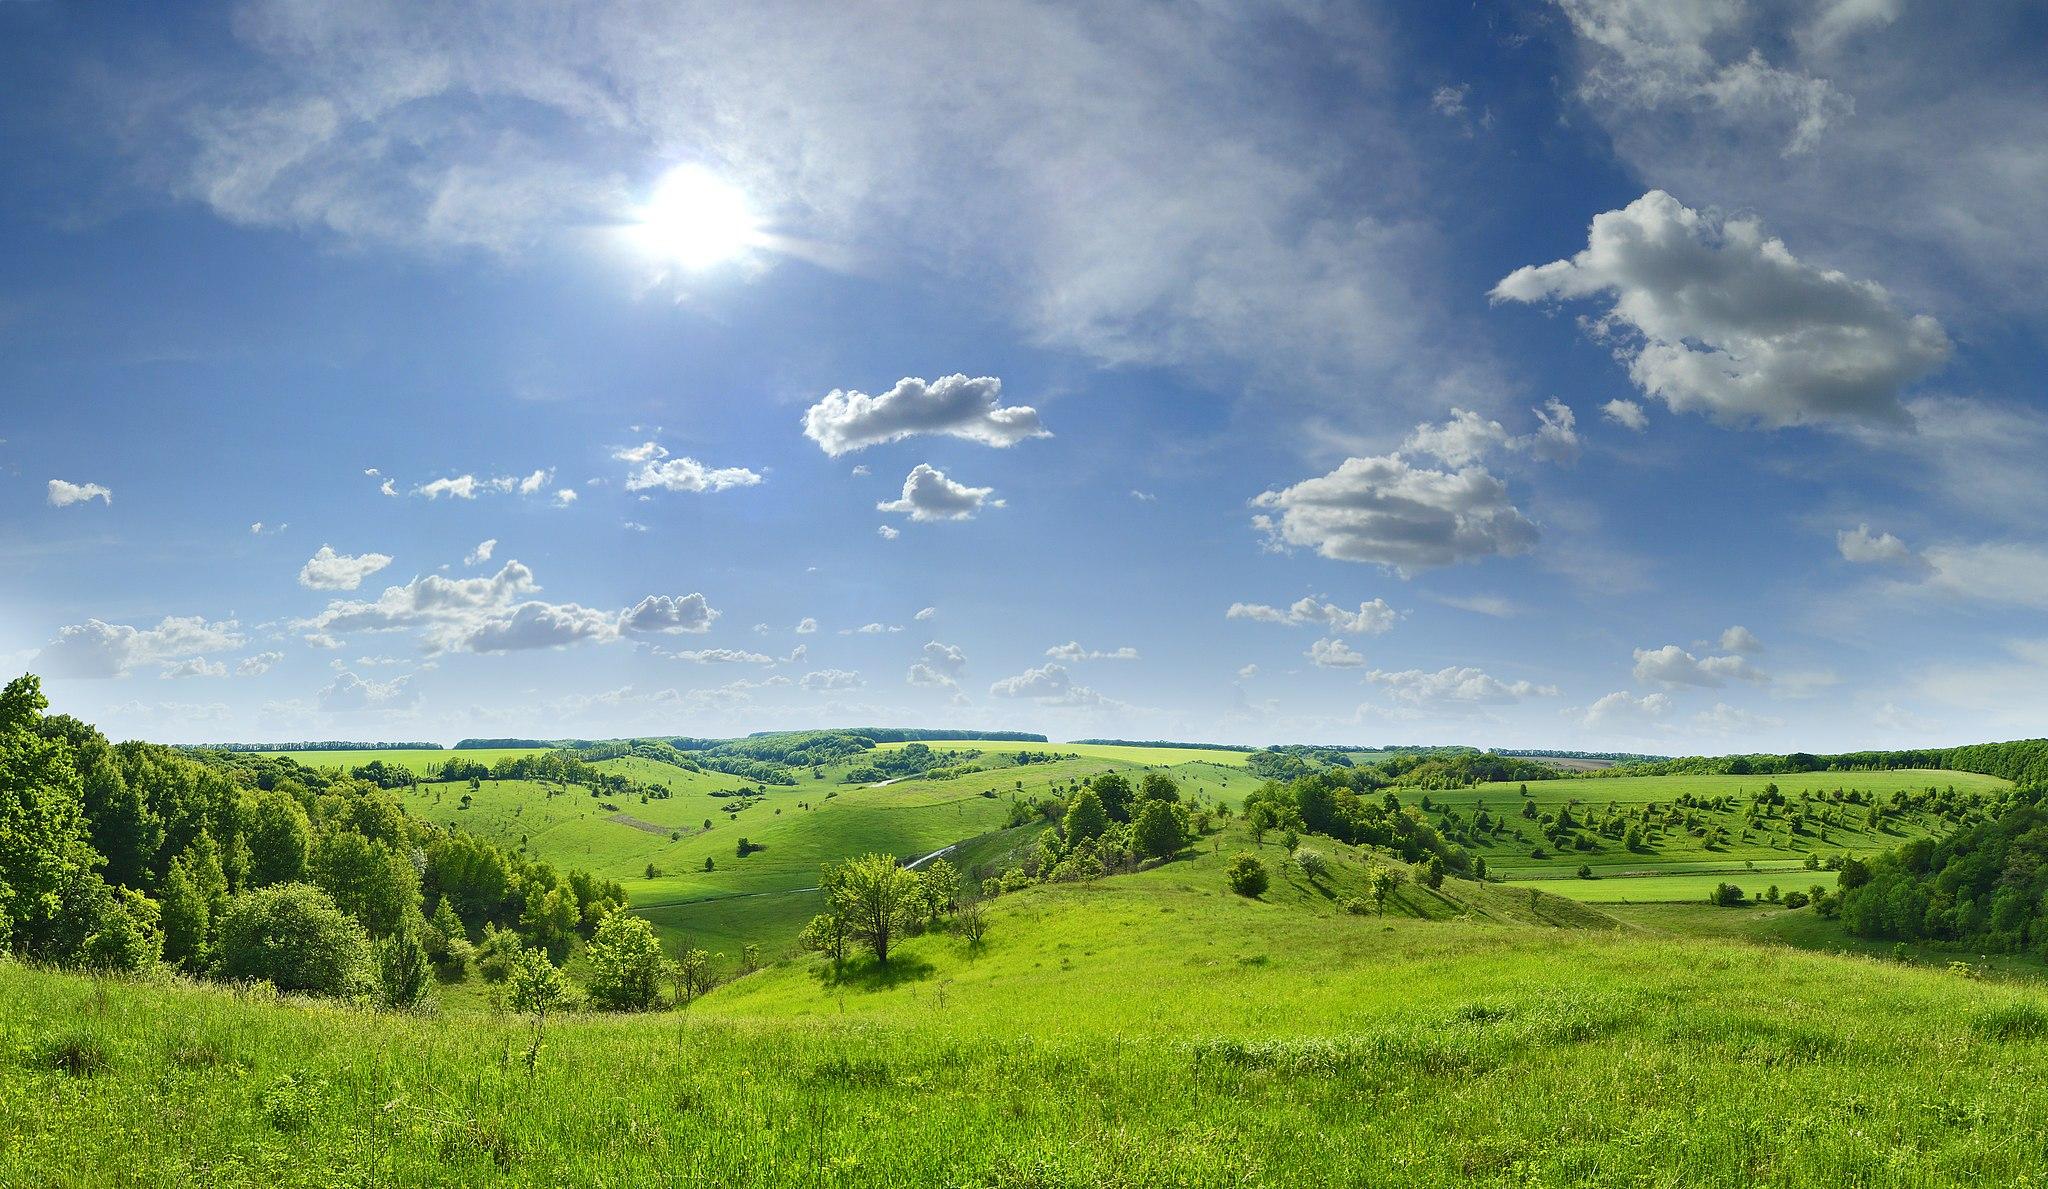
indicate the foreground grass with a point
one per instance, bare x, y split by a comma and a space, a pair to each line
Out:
1146, 1030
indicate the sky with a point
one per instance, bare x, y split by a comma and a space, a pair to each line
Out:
1598, 374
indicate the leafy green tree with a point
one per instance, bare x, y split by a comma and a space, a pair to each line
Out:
874, 895
692, 974
1247, 876
973, 921
1432, 876
1159, 832
280, 839
940, 883
550, 921
473, 873
1312, 863
293, 936
1086, 818
185, 916
126, 940
370, 881
44, 845
1158, 786
403, 969
825, 934
1115, 795
625, 964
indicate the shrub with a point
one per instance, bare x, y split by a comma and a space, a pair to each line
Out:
293, 937
1311, 862
1246, 874
1726, 895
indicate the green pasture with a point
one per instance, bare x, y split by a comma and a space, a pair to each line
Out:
1145, 756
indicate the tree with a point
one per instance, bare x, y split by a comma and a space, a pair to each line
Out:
940, 883
1086, 818
973, 922
1158, 786
1433, 873
280, 839
825, 934
550, 920
1726, 895
402, 967
1247, 876
371, 882
692, 973
1159, 832
1312, 863
294, 937
1379, 884
1115, 795
184, 915
126, 940
874, 895
625, 963
44, 845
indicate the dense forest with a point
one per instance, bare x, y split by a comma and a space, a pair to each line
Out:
2022, 761
1428, 768
1984, 887
255, 868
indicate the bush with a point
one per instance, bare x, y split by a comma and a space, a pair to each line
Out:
1247, 875
1312, 863
293, 937
403, 968
1726, 895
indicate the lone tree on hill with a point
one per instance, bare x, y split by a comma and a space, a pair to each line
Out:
876, 897
1246, 874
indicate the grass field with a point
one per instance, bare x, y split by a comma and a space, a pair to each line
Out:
1666, 889
417, 761
1120, 753
1141, 1030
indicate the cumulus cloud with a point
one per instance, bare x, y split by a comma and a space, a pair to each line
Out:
260, 529
1384, 510
1468, 437
1713, 316
1369, 620
99, 649
1334, 654
328, 570
723, 656
1672, 665
348, 692
195, 667
653, 469
1627, 414
1456, 686
806, 626
1863, 547
480, 554
468, 486
499, 613
1623, 710
63, 494
1048, 685
258, 664
1072, 652
925, 613
826, 680
669, 614
1740, 640
942, 665
888, 532
951, 406
929, 495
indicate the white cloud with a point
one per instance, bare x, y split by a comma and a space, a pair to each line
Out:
1672, 665
1072, 652
925, 614
669, 614
1627, 414
1724, 719
480, 554
1369, 620
862, 471
1449, 100
723, 656
468, 487
1455, 687
195, 667
388, 487
824, 680
328, 570
1144, 497
951, 406
260, 529
1493, 605
653, 469
888, 532
98, 649
1714, 316
806, 626
565, 497
1623, 710
348, 692
1247, 672
942, 665
2011, 573
1740, 640
1859, 545
1381, 509
1467, 438
872, 629
1334, 654
1048, 685
258, 664
63, 494
929, 495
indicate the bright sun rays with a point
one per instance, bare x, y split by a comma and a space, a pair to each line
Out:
697, 220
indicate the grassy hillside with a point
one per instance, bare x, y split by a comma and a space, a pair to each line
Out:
1141, 1030
1118, 752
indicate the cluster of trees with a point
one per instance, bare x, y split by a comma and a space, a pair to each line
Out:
1431, 767
1108, 825
1339, 803
871, 903
1985, 886
121, 857
912, 759
2022, 761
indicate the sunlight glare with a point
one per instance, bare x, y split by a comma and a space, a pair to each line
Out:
696, 219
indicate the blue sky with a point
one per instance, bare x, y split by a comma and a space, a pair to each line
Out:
1587, 374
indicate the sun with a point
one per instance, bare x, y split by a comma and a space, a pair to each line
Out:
695, 220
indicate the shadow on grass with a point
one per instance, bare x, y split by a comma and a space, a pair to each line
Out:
866, 974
